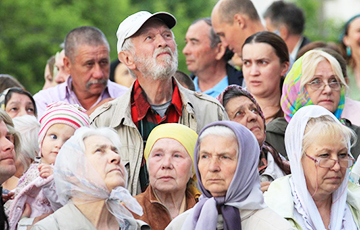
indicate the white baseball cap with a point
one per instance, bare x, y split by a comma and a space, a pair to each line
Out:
133, 23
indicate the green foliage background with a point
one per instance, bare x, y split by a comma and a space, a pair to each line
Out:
31, 31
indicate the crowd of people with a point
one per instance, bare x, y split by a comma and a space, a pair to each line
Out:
263, 133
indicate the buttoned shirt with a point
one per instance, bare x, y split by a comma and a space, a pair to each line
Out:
64, 92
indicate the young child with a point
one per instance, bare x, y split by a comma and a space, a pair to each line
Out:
36, 186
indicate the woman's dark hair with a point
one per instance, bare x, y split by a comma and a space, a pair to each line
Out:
272, 39
20, 91
8, 81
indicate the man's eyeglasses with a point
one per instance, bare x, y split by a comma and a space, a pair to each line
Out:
345, 162
318, 84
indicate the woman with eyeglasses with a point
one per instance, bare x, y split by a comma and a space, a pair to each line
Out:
315, 79
318, 194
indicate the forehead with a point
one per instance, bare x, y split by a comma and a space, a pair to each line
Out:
260, 49
240, 101
19, 96
168, 144
200, 28
96, 140
355, 24
152, 25
90, 51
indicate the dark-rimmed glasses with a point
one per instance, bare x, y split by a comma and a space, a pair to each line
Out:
329, 163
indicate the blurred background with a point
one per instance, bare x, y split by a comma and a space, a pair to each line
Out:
32, 31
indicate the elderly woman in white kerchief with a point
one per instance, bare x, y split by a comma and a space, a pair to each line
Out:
91, 182
317, 195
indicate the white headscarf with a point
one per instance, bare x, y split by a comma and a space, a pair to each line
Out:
75, 177
293, 142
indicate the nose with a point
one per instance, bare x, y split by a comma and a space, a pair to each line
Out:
186, 49
336, 166
161, 41
115, 157
166, 162
250, 116
6, 145
326, 88
97, 72
254, 70
22, 112
214, 165
59, 78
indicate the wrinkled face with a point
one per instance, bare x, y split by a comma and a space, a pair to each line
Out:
155, 51
326, 180
353, 37
170, 166
105, 158
230, 34
326, 97
242, 110
54, 139
90, 69
19, 105
49, 81
7, 153
61, 73
217, 163
198, 52
123, 76
262, 69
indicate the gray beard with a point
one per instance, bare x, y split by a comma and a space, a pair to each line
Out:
149, 68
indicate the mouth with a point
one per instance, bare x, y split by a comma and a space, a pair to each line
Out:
255, 82
9, 157
166, 178
254, 128
163, 53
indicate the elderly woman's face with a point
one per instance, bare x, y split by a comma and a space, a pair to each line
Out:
217, 163
170, 166
326, 180
242, 110
325, 96
104, 157
19, 105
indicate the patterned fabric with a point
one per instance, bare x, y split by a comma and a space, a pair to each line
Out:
293, 97
145, 118
62, 113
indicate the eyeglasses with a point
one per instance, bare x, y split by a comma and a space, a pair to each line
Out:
317, 84
345, 162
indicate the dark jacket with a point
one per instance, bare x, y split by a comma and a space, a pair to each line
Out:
234, 76
3, 219
275, 133
155, 213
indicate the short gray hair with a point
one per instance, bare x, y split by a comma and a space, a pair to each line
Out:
84, 35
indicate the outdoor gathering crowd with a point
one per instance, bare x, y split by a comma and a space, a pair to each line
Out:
262, 135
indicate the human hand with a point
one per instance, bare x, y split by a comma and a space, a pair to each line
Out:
265, 185
8, 196
45, 170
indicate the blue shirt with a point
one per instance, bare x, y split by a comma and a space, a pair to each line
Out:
214, 91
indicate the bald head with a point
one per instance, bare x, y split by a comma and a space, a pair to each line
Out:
228, 8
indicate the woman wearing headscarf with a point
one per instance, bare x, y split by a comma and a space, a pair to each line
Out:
226, 165
91, 184
317, 195
315, 79
169, 154
242, 107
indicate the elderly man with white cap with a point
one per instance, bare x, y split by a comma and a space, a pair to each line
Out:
146, 45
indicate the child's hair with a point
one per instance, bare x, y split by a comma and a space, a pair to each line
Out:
62, 113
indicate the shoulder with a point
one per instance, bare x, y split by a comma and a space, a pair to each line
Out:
277, 125
56, 90
116, 90
104, 114
265, 219
178, 222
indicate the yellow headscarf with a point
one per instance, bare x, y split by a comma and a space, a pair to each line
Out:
183, 134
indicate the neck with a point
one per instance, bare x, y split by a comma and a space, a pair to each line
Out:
10, 183
323, 203
291, 42
172, 201
211, 76
98, 215
87, 100
270, 105
157, 92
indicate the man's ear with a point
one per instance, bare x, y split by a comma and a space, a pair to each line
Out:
67, 64
127, 58
240, 20
220, 51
